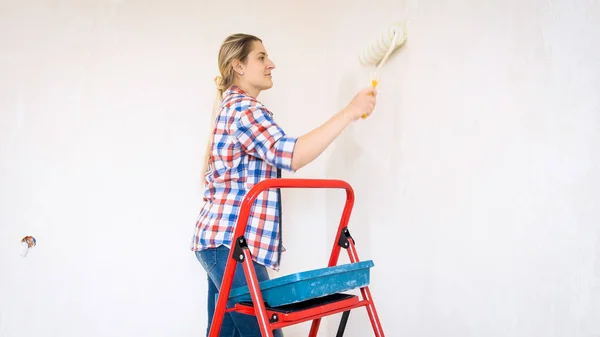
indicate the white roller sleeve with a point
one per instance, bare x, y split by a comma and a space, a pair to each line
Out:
375, 51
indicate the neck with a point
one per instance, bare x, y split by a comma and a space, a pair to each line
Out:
248, 89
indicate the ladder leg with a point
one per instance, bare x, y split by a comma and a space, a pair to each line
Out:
220, 307
377, 329
255, 294
342, 327
314, 328
366, 294
240, 254
345, 240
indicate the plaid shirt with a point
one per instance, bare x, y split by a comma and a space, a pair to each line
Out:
248, 147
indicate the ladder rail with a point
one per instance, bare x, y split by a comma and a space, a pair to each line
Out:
251, 196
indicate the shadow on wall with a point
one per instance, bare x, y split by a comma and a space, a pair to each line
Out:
363, 156
342, 164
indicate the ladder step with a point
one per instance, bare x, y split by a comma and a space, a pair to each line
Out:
302, 311
340, 299
309, 284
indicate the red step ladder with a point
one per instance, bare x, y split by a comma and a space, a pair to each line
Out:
270, 318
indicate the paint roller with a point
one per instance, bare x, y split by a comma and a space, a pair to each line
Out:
378, 50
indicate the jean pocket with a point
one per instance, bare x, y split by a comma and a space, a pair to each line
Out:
207, 258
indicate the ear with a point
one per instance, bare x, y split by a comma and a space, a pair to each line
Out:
238, 67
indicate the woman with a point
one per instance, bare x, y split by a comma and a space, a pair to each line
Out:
247, 146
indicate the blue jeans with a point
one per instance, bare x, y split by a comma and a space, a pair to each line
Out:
214, 261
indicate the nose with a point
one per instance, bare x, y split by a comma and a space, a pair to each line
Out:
270, 64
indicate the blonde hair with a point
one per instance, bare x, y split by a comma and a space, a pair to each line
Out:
235, 47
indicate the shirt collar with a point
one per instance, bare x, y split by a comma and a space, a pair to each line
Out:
235, 90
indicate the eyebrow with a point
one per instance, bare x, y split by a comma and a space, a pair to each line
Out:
261, 53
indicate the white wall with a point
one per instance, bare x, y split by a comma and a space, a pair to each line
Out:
476, 179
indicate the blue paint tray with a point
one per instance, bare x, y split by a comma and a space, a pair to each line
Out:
310, 284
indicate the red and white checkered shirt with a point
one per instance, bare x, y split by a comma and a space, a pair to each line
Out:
248, 147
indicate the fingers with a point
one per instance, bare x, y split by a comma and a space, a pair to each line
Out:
371, 98
370, 91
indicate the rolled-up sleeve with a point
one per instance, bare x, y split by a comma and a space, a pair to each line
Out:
261, 137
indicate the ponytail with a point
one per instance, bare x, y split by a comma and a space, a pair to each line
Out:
213, 119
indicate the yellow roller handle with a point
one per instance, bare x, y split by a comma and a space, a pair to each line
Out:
374, 84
